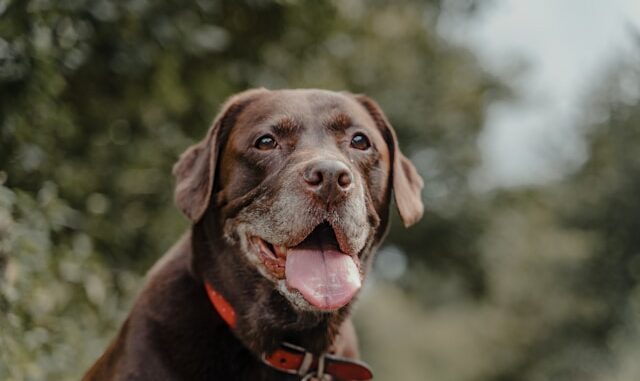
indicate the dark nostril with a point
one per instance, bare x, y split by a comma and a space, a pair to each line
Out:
328, 178
344, 179
313, 177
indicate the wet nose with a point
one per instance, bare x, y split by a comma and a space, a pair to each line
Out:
328, 179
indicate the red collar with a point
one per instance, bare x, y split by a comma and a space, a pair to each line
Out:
224, 309
292, 359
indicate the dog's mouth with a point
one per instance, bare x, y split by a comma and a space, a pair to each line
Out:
317, 268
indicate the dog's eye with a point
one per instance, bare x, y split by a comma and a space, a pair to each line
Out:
266, 142
360, 141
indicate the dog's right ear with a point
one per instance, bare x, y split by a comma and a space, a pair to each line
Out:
407, 183
196, 168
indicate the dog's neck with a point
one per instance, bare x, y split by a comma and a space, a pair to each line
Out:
264, 317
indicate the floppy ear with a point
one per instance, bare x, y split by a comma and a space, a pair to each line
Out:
196, 168
407, 183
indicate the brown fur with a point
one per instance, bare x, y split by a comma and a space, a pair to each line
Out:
231, 191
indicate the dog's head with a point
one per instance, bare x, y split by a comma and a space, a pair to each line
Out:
299, 183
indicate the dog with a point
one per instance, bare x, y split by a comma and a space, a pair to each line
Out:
289, 196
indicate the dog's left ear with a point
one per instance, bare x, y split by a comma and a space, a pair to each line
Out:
407, 183
196, 168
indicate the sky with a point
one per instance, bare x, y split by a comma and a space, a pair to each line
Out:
553, 53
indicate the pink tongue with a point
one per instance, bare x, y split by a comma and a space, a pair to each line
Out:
327, 279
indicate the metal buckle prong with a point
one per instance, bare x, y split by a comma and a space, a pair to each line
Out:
320, 372
306, 364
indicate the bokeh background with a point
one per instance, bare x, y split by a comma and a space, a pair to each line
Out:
524, 121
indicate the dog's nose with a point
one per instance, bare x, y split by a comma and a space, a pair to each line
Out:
329, 179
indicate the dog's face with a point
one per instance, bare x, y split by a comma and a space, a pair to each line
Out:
300, 181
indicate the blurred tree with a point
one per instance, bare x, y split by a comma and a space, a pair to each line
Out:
560, 268
603, 199
55, 296
586, 298
99, 97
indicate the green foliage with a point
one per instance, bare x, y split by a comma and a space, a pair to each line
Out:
56, 295
98, 98
560, 269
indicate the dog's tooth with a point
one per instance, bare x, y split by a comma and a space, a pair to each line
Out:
281, 251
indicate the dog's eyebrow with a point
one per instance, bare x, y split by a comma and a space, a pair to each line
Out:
339, 122
285, 126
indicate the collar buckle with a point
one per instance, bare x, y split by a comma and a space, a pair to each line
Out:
295, 360
283, 362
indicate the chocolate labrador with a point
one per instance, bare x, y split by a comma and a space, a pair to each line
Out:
288, 195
